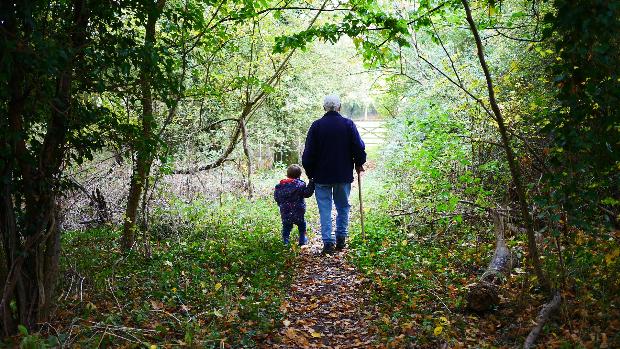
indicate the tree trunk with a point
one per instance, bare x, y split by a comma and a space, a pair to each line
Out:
513, 165
9, 234
17, 148
483, 295
246, 151
139, 177
145, 150
30, 181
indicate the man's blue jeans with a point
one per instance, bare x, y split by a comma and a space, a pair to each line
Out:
338, 194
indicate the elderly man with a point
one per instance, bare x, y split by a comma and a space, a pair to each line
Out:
333, 149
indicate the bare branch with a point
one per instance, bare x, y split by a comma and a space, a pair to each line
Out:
455, 83
447, 54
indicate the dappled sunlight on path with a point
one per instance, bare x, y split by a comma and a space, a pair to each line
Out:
327, 306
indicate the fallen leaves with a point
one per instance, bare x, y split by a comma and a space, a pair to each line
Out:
327, 306
315, 334
297, 338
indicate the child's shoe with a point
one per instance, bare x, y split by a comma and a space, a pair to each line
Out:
303, 240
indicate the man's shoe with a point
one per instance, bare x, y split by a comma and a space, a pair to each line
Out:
340, 243
328, 248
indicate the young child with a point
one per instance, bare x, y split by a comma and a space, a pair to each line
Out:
290, 194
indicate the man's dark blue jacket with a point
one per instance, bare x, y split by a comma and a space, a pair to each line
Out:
333, 147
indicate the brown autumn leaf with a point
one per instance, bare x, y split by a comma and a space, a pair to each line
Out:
157, 305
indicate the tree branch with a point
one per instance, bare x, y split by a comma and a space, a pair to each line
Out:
249, 108
475, 98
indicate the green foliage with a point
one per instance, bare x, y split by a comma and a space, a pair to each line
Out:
419, 278
26, 340
368, 24
37, 57
439, 160
584, 126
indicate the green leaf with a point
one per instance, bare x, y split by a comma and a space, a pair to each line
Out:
22, 330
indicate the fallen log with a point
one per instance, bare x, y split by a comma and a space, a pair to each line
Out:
483, 295
542, 317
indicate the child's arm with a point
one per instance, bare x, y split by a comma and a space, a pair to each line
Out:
277, 195
309, 189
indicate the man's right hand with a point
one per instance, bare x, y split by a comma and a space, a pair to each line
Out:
359, 168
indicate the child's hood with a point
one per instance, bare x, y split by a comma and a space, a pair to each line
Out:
291, 180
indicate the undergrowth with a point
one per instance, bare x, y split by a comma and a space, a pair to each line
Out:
211, 274
420, 274
217, 280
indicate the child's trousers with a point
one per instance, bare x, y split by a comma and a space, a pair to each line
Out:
288, 226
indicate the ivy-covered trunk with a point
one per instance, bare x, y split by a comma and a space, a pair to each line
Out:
145, 148
32, 250
30, 180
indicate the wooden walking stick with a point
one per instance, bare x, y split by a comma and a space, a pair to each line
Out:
359, 189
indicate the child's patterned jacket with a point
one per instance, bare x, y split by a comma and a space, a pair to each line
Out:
290, 194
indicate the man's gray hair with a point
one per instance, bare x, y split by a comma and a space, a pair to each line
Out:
331, 103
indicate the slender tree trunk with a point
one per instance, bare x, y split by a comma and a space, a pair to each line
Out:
9, 233
145, 150
139, 177
513, 165
246, 151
